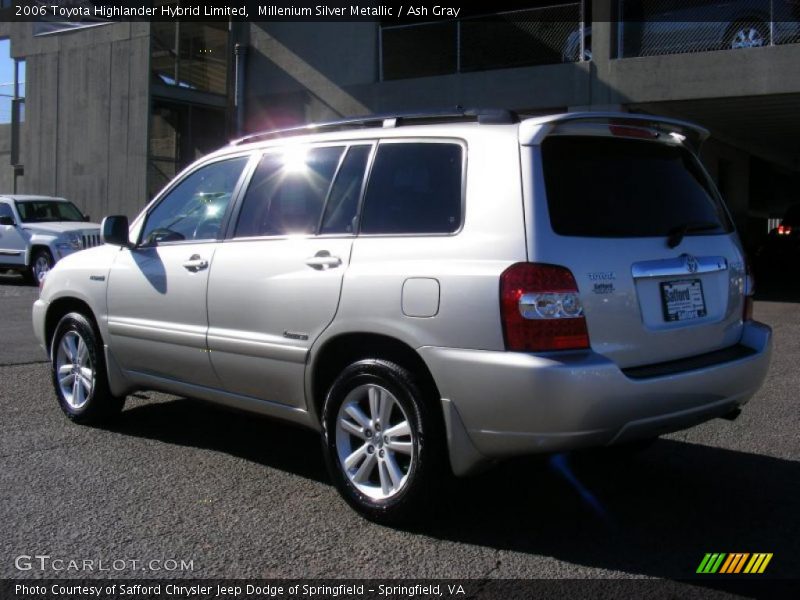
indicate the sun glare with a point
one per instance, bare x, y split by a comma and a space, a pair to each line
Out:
294, 159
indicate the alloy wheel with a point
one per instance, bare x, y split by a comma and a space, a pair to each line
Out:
74, 369
748, 37
40, 267
374, 441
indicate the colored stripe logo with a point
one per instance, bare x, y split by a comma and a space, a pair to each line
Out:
737, 562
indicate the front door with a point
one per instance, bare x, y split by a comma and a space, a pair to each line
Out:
157, 316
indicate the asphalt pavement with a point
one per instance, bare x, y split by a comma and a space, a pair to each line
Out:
241, 496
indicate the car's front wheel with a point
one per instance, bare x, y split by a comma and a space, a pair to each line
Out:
384, 443
41, 263
79, 372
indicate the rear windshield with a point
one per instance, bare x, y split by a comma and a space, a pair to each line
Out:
611, 187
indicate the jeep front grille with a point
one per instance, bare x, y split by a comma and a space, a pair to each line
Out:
90, 241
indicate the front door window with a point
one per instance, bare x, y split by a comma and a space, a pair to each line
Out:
193, 210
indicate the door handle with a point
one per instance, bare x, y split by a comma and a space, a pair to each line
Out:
195, 264
323, 260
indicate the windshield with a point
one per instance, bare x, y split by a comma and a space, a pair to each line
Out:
612, 187
45, 211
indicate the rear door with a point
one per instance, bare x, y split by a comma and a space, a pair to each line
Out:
645, 233
275, 283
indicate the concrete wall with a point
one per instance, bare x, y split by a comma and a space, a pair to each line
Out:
6, 170
730, 168
346, 56
303, 72
87, 114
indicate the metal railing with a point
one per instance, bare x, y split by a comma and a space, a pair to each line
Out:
521, 38
655, 27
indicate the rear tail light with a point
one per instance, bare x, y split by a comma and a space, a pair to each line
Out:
541, 309
784, 229
749, 290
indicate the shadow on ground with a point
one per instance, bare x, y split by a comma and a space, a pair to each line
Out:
655, 513
10, 278
777, 285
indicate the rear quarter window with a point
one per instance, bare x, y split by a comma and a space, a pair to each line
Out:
613, 187
414, 188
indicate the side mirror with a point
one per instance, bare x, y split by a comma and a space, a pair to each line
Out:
114, 231
6, 220
87, 218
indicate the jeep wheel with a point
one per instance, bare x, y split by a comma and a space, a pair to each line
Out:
384, 446
79, 372
41, 262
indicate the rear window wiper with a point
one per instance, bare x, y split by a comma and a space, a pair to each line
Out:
676, 234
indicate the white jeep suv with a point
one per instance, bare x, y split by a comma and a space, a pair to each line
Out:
37, 231
432, 293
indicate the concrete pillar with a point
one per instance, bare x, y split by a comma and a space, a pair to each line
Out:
604, 26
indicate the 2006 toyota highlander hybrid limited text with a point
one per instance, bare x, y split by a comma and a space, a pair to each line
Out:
431, 293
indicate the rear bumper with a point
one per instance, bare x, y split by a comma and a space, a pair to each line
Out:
513, 403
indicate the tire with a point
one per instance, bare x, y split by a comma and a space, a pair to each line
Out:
393, 478
747, 34
79, 374
41, 262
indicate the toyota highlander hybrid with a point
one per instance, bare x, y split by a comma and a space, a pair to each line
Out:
432, 293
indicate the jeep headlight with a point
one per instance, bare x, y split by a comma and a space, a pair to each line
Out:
71, 241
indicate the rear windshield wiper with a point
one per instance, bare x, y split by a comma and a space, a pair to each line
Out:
676, 234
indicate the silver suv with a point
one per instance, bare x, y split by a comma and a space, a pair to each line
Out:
431, 293
37, 231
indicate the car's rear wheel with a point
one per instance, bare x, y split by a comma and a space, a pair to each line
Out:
41, 263
384, 445
79, 372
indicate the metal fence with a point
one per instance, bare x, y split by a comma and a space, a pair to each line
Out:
654, 27
536, 36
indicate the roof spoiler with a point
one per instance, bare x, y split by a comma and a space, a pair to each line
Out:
532, 131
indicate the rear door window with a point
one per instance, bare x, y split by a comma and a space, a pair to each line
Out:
287, 192
414, 188
342, 205
611, 187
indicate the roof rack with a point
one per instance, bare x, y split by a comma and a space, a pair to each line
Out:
493, 116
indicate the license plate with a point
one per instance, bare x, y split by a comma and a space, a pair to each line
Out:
683, 300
